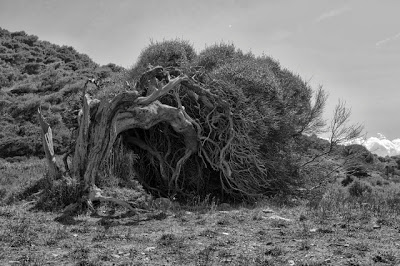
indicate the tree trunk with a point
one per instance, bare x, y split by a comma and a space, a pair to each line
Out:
209, 130
54, 172
100, 123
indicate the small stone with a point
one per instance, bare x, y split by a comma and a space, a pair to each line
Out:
276, 217
291, 262
268, 210
149, 249
376, 226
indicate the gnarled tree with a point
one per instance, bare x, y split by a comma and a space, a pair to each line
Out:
197, 130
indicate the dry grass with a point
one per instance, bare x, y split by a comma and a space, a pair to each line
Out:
338, 227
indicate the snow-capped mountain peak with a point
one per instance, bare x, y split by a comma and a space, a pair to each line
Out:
381, 136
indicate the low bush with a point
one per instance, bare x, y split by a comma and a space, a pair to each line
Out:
359, 188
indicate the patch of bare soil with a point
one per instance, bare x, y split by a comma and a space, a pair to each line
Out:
259, 236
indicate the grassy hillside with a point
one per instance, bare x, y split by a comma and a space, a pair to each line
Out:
37, 73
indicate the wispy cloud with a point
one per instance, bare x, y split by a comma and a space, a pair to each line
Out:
389, 39
332, 13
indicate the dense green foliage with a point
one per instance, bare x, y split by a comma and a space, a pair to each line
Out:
37, 73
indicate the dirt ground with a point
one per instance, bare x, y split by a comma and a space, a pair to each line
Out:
259, 235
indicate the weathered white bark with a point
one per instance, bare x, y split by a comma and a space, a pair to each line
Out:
47, 139
81, 148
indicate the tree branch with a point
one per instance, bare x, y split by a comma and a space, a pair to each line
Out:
157, 93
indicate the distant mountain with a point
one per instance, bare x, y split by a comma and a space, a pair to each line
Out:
380, 145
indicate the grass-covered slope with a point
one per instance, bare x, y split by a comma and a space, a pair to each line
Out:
37, 73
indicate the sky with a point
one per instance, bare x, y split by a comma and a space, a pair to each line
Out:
350, 47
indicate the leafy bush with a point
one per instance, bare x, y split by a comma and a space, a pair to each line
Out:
20, 146
358, 152
53, 98
33, 68
61, 194
358, 188
173, 53
278, 109
356, 169
22, 88
8, 75
269, 106
217, 55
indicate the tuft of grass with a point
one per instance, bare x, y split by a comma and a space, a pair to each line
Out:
263, 259
60, 194
106, 255
202, 205
81, 255
208, 233
205, 256
257, 215
304, 245
277, 223
224, 221
387, 257
60, 234
171, 240
275, 252
101, 235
